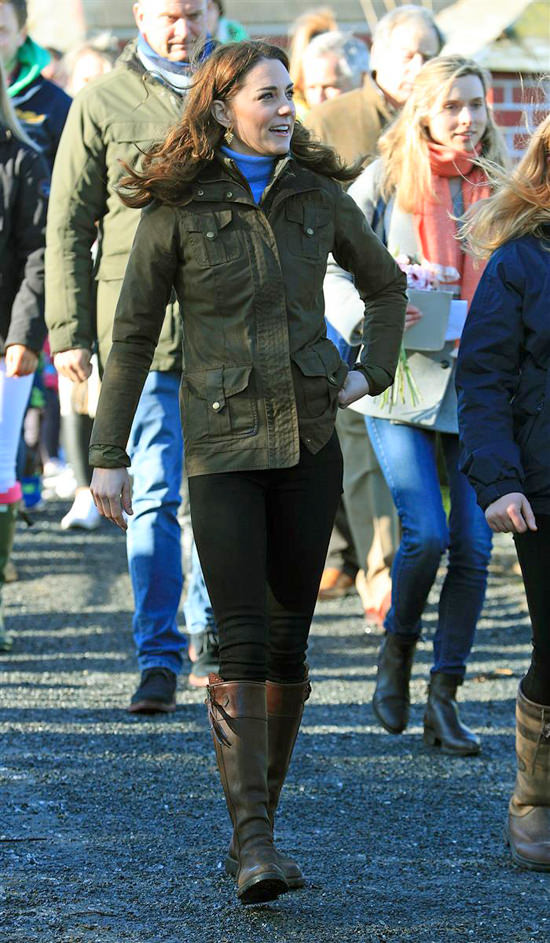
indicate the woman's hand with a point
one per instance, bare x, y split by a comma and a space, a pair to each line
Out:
20, 360
354, 388
412, 316
112, 494
511, 513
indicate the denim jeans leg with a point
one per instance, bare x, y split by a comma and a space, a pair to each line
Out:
407, 457
197, 607
154, 549
463, 591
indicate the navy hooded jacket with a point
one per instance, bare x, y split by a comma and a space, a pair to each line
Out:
503, 377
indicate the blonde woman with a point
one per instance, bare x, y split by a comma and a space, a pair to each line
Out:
305, 28
24, 185
503, 383
426, 176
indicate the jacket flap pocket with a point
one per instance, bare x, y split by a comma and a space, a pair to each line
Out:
321, 360
207, 223
236, 379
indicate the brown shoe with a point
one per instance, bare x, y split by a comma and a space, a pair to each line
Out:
335, 584
285, 707
238, 719
156, 693
528, 826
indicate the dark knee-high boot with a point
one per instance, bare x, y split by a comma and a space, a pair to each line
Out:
285, 707
238, 718
528, 827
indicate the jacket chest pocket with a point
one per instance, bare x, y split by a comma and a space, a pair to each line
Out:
307, 231
321, 374
212, 237
220, 403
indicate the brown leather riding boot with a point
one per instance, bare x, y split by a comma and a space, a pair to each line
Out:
391, 700
238, 719
528, 827
285, 706
442, 724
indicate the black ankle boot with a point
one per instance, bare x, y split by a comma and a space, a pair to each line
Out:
391, 699
442, 725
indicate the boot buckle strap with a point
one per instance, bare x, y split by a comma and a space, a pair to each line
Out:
214, 722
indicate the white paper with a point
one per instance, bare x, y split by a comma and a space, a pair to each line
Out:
457, 320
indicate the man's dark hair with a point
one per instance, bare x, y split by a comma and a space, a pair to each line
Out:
21, 12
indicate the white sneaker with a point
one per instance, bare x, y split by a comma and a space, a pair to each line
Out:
83, 513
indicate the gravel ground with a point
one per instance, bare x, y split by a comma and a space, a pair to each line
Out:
113, 829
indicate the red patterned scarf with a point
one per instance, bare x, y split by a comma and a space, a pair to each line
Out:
435, 230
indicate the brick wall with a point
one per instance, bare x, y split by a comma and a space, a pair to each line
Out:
520, 103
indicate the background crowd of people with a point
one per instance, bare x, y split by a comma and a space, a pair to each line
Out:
95, 300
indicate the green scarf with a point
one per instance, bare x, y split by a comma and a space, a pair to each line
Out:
31, 59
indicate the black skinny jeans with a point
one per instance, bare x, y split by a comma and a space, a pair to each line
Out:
533, 550
262, 538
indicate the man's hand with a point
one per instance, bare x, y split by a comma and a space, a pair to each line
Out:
112, 494
354, 388
511, 513
20, 360
74, 364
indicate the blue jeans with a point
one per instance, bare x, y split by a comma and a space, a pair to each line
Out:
407, 456
154, 551
197, 607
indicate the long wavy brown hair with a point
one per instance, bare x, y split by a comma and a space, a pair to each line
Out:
168, 168
520, 205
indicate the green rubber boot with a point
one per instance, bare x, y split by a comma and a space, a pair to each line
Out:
8, 517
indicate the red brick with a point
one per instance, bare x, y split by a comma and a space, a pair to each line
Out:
496, 95
537, 117
529, 94
509, 119
520, 141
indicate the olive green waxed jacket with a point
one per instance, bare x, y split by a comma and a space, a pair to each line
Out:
111, 120
259, 373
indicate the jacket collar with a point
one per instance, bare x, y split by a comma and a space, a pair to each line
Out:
220, 180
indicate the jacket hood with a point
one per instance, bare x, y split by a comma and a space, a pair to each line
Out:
31, 59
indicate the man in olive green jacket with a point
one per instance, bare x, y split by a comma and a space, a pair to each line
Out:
109, 123
367, 525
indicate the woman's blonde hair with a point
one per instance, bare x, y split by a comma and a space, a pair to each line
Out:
520, 205
305, 28
7, 114
404, 146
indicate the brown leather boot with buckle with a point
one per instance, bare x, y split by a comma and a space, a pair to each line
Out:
238, 719
285, 707
528, 826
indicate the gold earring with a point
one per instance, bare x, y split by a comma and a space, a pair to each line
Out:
228, 135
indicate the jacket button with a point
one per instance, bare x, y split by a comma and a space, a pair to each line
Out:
445, 365
200, 192
310, 231
216, 406
229, 194
210, 235
332, 379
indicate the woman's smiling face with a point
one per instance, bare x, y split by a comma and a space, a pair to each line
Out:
261, 114
459, 117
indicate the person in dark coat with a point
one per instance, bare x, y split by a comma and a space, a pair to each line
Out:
241, 212
503, 384
24, 188
40, 105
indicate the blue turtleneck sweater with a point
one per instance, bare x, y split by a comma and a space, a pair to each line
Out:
256, 170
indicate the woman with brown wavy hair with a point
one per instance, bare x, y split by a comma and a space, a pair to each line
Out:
242, 210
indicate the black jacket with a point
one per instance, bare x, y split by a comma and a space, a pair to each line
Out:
24, 187
42, 108
503, 377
